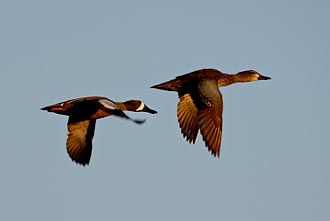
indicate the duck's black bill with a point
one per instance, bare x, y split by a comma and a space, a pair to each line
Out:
261, 77
148, 110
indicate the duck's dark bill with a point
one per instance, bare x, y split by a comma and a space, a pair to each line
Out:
148, 110
261, 77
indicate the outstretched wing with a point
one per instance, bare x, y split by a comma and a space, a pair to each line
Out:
187, 117
210, 106
79, 141
210, 124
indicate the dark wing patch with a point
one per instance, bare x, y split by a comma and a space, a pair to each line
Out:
187, 117
209, 104
79, 141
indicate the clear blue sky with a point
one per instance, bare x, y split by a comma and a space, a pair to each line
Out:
274, 162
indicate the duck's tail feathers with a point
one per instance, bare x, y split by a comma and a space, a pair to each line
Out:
172, 85
56, 108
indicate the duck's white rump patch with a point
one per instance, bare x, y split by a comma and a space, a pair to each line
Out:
108, 104
142, 105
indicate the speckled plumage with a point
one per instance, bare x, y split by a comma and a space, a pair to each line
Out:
200, 104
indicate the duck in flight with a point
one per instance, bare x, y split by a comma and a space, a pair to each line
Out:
83, 113
200, 102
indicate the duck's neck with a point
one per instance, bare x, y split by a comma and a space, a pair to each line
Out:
244, 77
226, 79
121, 105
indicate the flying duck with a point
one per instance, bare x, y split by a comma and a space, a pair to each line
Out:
83, 113
200, 102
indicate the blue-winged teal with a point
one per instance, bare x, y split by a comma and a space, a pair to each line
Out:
83, 113
200, 106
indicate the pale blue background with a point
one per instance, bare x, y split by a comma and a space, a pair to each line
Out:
274, 162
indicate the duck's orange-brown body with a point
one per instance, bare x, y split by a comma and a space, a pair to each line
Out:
200, 106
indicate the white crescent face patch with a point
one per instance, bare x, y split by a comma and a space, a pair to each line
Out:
142, 105
108, 104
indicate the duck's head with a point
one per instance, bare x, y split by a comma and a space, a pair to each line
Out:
138, 106
250, 75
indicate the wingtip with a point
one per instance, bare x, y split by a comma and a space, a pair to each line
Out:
84, 164
139, 121
215, 154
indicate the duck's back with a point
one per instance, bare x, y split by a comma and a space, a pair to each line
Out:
84, 109
201, 75
79, 108
189, 79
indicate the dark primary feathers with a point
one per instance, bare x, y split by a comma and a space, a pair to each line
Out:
200, 104
83, 113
